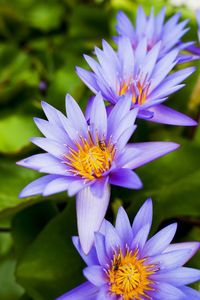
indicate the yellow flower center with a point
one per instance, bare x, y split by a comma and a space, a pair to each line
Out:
139, 91
91, 159
128, 276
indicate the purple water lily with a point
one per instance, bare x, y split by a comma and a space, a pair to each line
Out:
84, 159
154, 29
138, 73
123, 264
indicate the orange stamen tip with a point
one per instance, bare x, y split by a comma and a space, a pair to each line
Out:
91, 159
128, 276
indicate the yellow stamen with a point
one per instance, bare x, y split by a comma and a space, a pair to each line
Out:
130, 87
91, 159
128, 276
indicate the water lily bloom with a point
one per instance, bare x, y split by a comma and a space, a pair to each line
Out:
138, 73
123, 264
84, 159
154, 29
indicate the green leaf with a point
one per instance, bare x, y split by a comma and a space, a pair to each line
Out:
12, 179
51, 266
28, 223
9, 289
45, 17
15, 132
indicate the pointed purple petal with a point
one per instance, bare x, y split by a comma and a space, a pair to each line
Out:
75, 115
126, 156
37, 186
160, 241
143, 217
50, 146
101, 249
170, 260
88, 78
57, 185
89, 107
190, 293
90, 213
193, 246
126, 178
91, 258
84, 291
178, 277
123, 227
96, 275
112, 240
124, 26
98, 118
165, 115
166, 291
140, 238
120, 109
149, 152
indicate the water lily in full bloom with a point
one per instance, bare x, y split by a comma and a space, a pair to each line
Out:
154, 29
125, 265
138, 73
85, 159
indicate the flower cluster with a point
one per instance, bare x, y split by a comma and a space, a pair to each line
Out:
85, 154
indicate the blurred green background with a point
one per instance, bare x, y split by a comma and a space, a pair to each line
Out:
41, 42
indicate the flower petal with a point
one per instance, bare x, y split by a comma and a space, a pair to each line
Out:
37, 186
101, 249
58, 185
88, 78
166, 115
84, 291
96, 275
112, 239
99, 186
125, 156
166, 291
50, 146
149, 152
192, 246
75, 115
178, 277
170, 260
140, 238
77, 185
143, 217
90, 213
98, 118
91, 258
126, 178
160, 240
190, 293
45, 163
123, 227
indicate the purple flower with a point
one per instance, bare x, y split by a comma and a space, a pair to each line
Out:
83, 159
138, 73
123, 264
153, 29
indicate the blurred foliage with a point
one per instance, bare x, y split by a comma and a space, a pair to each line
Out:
41, 42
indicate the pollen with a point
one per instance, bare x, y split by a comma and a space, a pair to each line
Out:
128, 276
91, 159
139, 90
